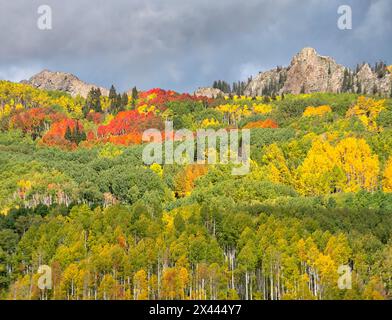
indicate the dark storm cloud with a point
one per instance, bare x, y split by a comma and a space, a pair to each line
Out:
183, 44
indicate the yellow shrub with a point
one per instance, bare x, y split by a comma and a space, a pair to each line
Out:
262, 108
157, 168
317, 111
146, 109
387, 181
207, 123
367, 110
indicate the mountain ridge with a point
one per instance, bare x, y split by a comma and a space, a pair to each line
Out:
308, 72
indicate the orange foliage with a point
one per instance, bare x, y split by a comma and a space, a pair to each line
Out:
262, 124
35, 120
185, 181
56, 135
159, 97
127, 127
126, 139
95, 117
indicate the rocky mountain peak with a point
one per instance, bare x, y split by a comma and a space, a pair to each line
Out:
62, 81
306, 53
310, 72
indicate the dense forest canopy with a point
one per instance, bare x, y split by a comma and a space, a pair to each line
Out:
75, 195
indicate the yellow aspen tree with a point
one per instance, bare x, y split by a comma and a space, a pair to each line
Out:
169, 284
140, 285
328, 276
108, 288
183, 281
387, 181
69, 283
277, 169
374, 289
319, 174
338, 249
367, 110
360, 166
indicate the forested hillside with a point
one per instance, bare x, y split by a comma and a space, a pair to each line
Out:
76, 195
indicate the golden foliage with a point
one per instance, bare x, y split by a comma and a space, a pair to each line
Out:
185, 181
367, 110
16, 96
348, 167
262, 108
157, 168
277, 169
387, 181
209, 123
317, 111
141, 285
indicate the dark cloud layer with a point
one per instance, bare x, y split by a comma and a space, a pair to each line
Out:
183, 44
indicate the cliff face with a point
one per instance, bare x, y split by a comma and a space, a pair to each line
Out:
265, 81
61, 81
310, 72
369, 80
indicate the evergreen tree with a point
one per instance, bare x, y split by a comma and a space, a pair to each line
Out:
223, 86
82, 136
135, 95
97, 101
345, 81
68, 134
76, 134
359, 87
114, 105
124, 101
375, 89
112, 93
118, 102
380, 69
93, 101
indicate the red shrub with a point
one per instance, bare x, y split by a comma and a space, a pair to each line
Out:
56, 135
128, 126
36, 120
159, 98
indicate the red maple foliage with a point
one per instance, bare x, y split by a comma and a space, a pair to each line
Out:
127, 127
159, 98
36, 120
95, 117
56, 134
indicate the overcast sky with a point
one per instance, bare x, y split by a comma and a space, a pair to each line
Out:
184, 44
